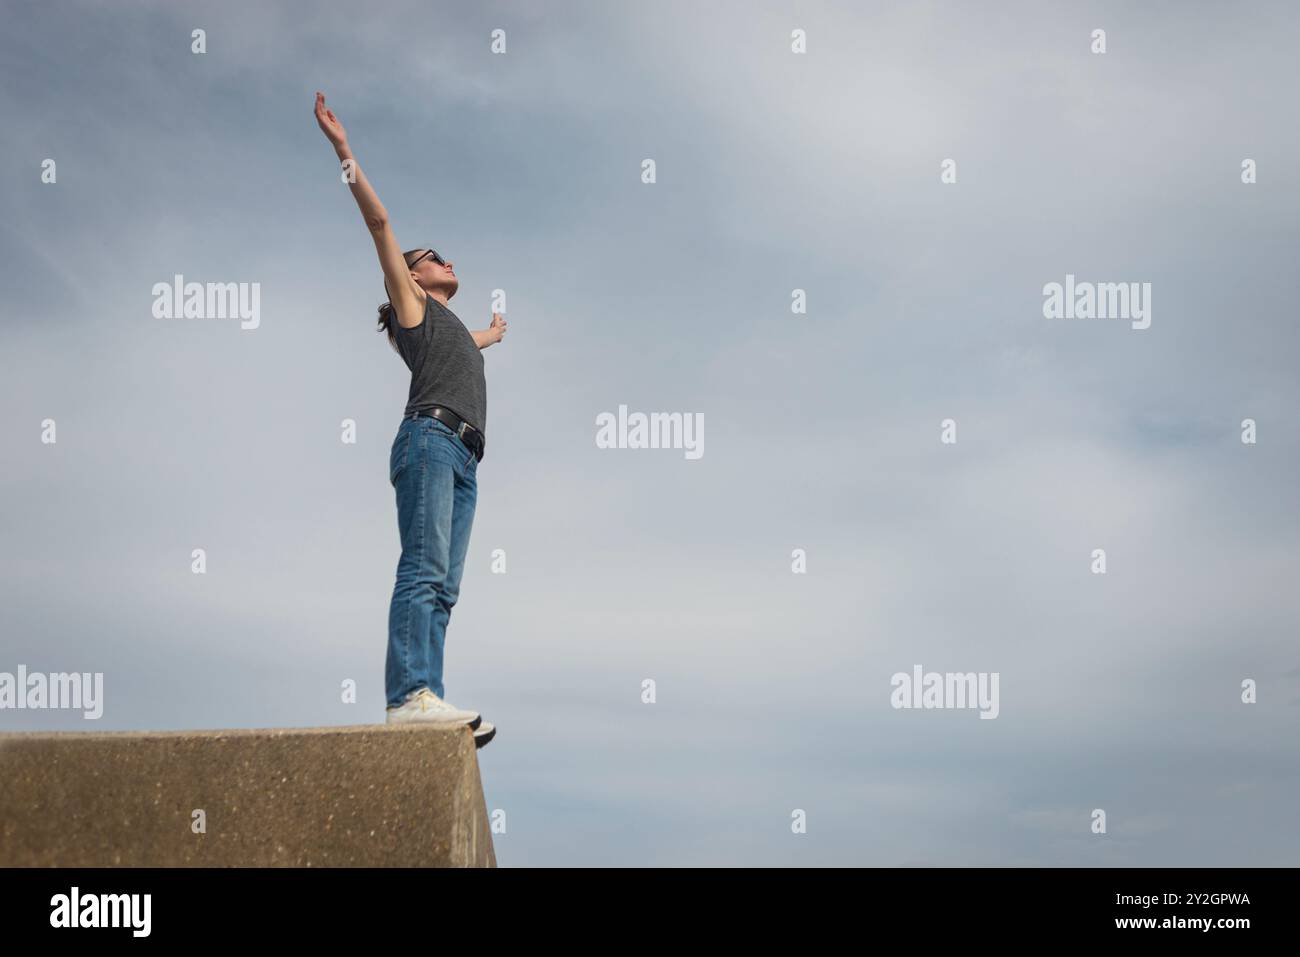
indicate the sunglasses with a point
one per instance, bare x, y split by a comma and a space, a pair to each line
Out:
431, 253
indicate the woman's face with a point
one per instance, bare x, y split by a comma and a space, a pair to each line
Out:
434, 276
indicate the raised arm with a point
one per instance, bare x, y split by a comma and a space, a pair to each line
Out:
406, 295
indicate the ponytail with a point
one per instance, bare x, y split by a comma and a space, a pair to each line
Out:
387, 317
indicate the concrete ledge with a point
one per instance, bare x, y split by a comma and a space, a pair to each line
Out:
360, 796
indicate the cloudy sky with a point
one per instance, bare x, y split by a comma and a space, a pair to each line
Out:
775, 171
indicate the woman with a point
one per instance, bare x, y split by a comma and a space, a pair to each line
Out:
434, 459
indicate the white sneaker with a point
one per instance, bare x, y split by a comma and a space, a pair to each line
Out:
484, 733
424, 707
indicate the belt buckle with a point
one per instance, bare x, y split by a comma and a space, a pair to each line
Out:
477, 446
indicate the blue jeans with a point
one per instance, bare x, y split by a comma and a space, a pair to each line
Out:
434, 474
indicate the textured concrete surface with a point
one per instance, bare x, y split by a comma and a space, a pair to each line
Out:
362, 796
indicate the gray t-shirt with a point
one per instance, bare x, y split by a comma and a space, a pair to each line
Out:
446, 366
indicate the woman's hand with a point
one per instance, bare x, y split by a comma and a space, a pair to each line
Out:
329, 123
493, 333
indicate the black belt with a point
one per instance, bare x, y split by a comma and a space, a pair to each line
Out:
471, 436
